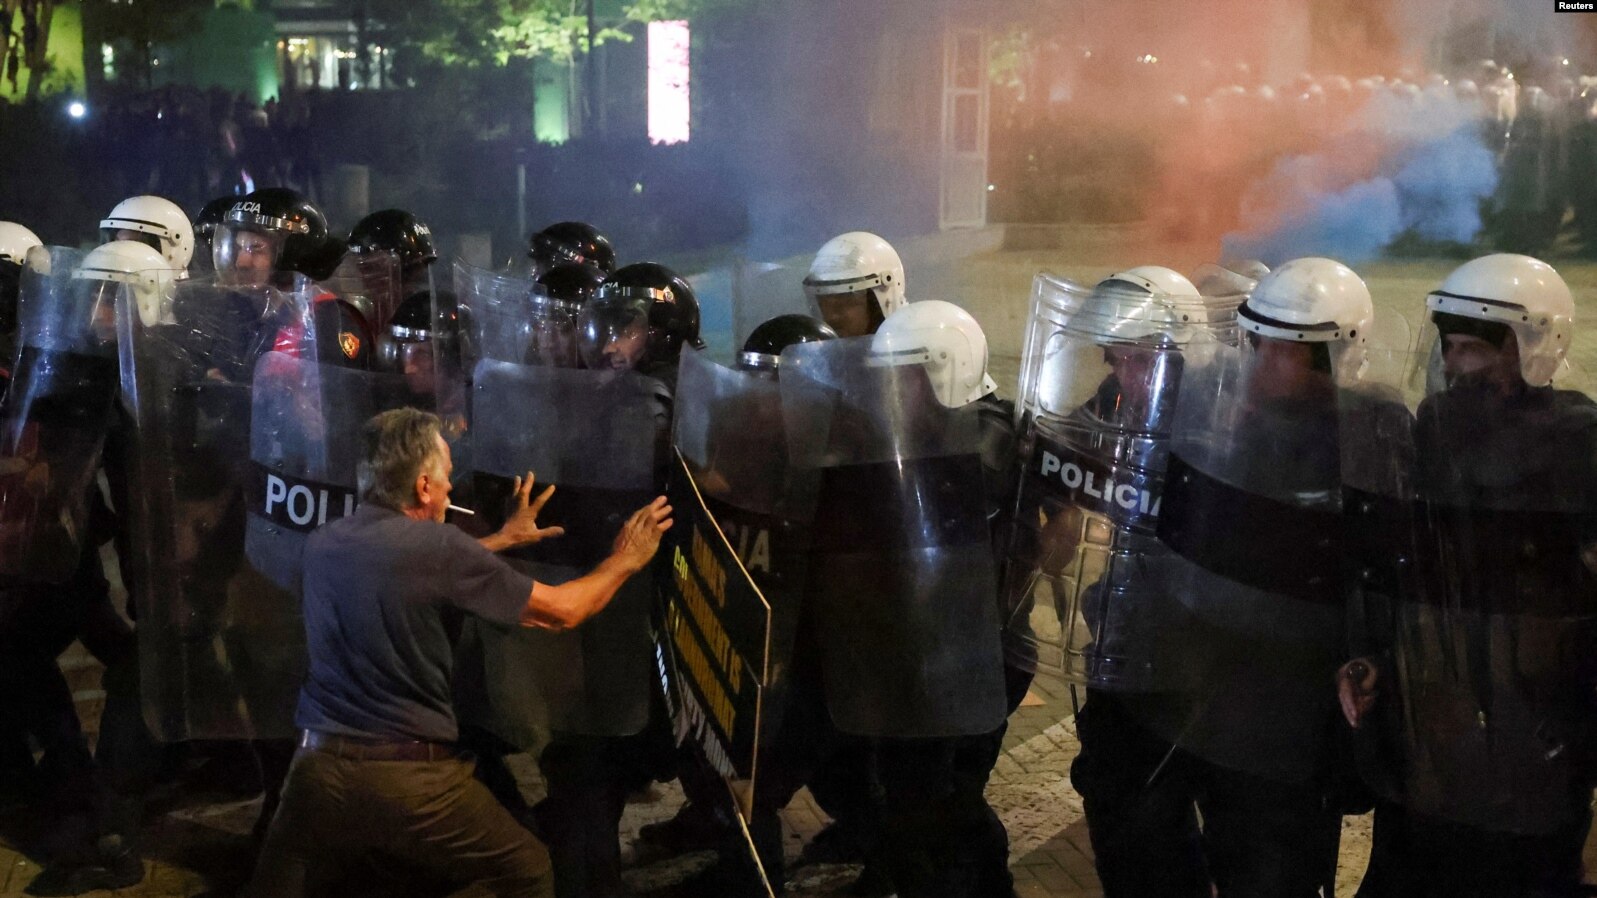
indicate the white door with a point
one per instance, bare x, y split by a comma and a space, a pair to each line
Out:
964, 145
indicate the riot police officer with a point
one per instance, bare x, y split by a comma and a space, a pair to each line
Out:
15, 241
61, 404
571, 241
423, 342
1085, 602
402, 233
267, 238
155, 221
1475, 581
939, 835
594, 688
1256, 442
557, 299
857, 280
730, 431
639, 320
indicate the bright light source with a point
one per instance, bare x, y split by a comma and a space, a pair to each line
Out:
76, 109
670, 101
991, 187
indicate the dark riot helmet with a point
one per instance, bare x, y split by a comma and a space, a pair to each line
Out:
297, 229
572, 282
572, 241
557, 299
762, 351
419, 326
397, 231
639, 319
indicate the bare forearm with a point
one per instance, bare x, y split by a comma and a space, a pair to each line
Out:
497, 542
569, 604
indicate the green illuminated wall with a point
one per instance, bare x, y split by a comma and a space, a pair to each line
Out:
66, 57
236, 50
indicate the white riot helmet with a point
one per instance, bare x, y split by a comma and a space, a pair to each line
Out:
944, 338
1146, 303
1523, 293
1314, 300
170, 231
858, 261
15, 241
128, 262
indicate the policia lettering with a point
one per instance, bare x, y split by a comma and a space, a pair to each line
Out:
1129, 497
299, 505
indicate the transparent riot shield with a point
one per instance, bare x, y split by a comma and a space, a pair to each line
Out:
1252, 513
55, 414
228, 476
902, 579
729, 428
599, 437
1084, 594
371, 283
1475, 601
499, 311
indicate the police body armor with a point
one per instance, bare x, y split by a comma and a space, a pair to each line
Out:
54, 417
601, 438
902, 579
1475, 592
1084, 594
229, 477
1251, 513
729, 428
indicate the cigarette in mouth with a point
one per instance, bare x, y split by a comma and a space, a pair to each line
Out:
461, 510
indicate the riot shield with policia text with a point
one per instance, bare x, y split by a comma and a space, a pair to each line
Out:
229, 477
1083, 592
901, 578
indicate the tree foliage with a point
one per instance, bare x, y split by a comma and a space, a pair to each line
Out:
25, 25
137, 27
477, 33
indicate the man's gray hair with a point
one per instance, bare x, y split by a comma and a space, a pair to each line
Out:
396, 448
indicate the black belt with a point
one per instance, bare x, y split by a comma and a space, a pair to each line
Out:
371, 750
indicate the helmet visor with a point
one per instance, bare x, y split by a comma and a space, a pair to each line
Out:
246, 256
613, 333
117, 232
553, 336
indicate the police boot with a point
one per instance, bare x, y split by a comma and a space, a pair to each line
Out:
111, 865
696, 827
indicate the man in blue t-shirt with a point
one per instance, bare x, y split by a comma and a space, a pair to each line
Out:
377, 775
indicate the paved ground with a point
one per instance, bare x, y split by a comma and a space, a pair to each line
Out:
196, 843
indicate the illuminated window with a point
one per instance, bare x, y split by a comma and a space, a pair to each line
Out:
670, 105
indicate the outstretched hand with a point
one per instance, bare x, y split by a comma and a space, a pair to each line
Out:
639, 537
521, 528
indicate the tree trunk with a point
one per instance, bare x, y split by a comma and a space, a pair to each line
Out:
93, 60
36, 41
